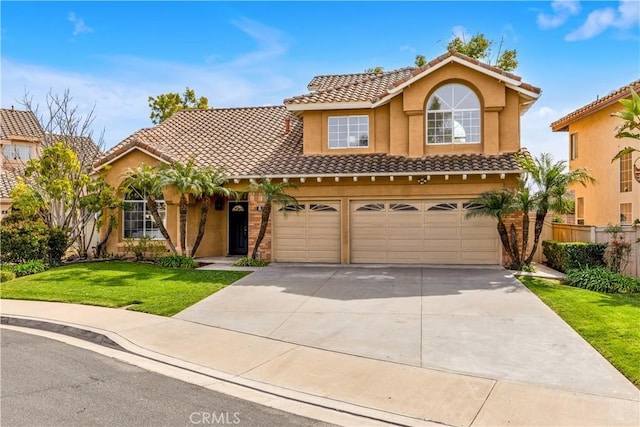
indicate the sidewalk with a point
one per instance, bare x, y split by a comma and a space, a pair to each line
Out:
381, 390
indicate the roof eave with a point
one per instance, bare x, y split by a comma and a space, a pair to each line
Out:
381, 174
329, 106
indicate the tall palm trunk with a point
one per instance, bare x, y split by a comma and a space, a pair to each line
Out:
537, 231
153, 209
504, 238
525, 237
516, 263
183, 224
266, 212
204, 211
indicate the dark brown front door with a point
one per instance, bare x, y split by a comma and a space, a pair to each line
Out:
238, 228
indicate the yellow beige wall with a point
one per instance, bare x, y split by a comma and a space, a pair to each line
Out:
398, 127
596, 146
214, 242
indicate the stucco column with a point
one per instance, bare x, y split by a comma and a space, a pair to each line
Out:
491, 130
416, 133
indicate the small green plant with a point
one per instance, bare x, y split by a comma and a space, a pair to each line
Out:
6, 275
137, 246
250, 262
57, 243
529, 268
23, 237
27, 268
601, 279
177, 261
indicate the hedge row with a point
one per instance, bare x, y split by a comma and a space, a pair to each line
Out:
563, 256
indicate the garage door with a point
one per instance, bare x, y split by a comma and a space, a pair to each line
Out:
421, 232
309, 232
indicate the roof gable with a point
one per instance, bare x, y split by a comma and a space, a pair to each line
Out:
16, 123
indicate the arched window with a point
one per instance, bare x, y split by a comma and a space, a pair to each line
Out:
453, 115
137, 220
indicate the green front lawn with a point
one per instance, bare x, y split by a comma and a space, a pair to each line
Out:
609, 322
144, 287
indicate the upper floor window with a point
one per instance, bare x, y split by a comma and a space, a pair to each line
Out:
453, 115
625, 213
626, 175
20, 152
573, 146
580, 210
348, 131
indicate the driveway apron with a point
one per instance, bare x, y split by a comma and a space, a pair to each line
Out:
473, 320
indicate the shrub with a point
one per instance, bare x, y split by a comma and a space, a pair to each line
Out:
563, 256
177, 261
6, 275
57, 244
29, 267
250, 262
602, 280
144, 245
23, 238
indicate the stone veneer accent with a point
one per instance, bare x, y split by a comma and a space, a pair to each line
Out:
255, 218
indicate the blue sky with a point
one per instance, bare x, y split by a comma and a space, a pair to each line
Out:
116, 54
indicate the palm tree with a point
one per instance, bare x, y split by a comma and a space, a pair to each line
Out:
498, 204
147, 180
551, 181
186, 179
211, 181
271, 193
524, 202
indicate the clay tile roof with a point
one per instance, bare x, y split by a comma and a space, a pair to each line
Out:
8, 178
252, 142
19, 123
597, 105
350, 88
373, 87
86, 150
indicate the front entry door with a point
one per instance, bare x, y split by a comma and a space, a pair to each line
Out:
238, 228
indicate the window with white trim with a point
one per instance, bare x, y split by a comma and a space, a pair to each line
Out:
625, 213
348, 131
580, 210
626, 175
21, 152
137, 219
453, 115
573, 146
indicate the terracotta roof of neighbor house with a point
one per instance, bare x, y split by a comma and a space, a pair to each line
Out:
8, 178
597, 105
84, 147
19, 123
251, 142
371, 87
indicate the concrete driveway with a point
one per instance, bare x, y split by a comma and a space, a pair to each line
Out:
473, 320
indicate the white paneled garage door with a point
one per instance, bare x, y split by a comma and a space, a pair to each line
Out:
421, 232
307, 233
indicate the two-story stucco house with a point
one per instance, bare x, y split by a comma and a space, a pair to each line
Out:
615, 198
22, 139
385, 165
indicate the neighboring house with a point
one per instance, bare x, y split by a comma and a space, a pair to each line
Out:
22, 139
385, 165
615, 198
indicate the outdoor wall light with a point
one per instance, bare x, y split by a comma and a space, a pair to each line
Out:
422, 180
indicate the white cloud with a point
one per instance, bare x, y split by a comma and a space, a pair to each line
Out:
562, 9
79, 27
407, 48
270, 42
625, 16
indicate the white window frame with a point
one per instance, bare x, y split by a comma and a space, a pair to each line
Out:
629, 217
155, 233
626, 173
453, 114
15, 152
580, 211
573, 146
352, 141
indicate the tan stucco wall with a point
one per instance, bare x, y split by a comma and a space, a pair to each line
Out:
596, 146
398, 127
